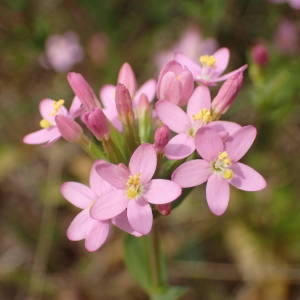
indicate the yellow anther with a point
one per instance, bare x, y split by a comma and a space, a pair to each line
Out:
56, 106
227, 174
207, 60
45, 123
223, 155
204, 115
133, 186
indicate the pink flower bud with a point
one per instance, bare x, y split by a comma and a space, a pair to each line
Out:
124, 103
227, 93
97, 123
161, 138
69, 129
126, 76
164, 209
260, 55
143, 106
83, 90
175, 84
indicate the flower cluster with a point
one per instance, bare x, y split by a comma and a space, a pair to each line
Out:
149, 143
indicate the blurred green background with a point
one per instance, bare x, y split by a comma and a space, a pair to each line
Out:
252, 252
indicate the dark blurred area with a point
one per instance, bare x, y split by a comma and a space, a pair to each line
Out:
250, 253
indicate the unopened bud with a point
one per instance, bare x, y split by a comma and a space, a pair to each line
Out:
227, 93
68, 128
164, 209
126, 76
97, 123
83, 90
260, 55
124, 103
143, 106
161, 138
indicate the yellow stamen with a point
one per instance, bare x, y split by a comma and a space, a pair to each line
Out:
45, 123
224, 158
227, 174
133, 186
56, 106
203, 115
207, 60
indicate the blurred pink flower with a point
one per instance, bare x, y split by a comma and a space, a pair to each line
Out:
134, 190
62, 52
191, 43
293, 3
287, 37
220, 167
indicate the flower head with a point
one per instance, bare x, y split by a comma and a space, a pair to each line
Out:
210, 67
219, 166
134, 190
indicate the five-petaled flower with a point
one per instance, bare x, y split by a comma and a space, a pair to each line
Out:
134, 190
220, 166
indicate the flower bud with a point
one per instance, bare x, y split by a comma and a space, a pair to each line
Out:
143, 106
164, 209
126, 76
97, 123
161, 138
83, 90
124, 103
260, 55
227, 94
69, 129
175, 84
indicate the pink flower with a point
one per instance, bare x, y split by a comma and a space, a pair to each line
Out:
220, 167
134, 189
210, 68
186, 124
83, 226
260, 54
49, 109
175, 83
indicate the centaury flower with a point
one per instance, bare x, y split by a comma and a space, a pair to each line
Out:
220, 166
210, 67
134, 190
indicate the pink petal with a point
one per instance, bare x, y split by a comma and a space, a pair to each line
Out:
169, 88
96, 237
217, 194
192, 173
224, 128
78, 194
115, 175
143, 161
98, 185
239, 143
161, 191
107, 95
76, 108
222, 59
208, 143
173, 116
200, 99
46, 108
180, 146
121, 221
228, 75
109, 205
53, 135
127, 77
247, 179
148, 88
42, 136
190, 64
140, 216
80, 225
